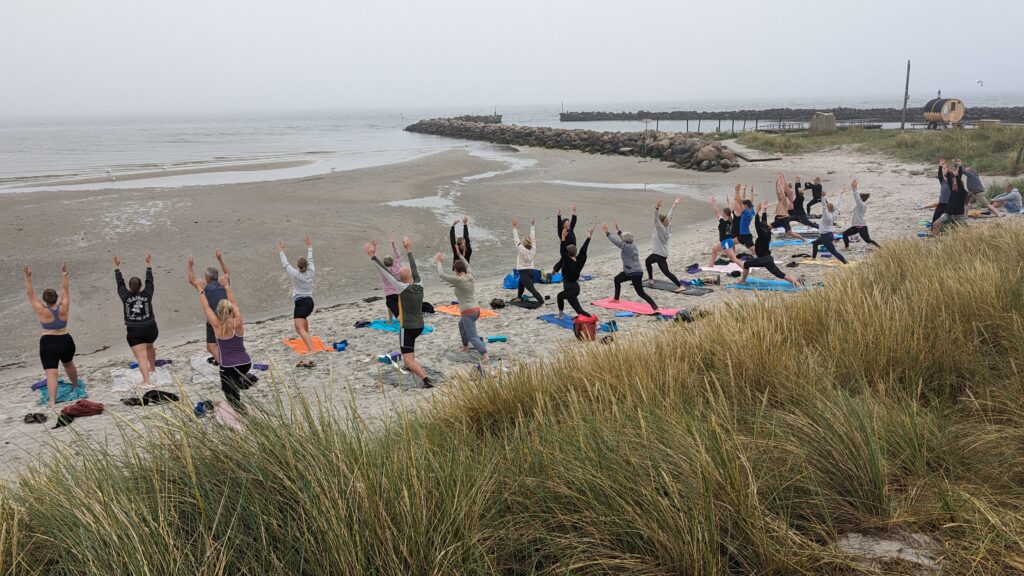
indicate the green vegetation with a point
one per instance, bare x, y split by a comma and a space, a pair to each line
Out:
745, 443
992, 150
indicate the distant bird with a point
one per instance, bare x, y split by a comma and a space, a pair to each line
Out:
980, 83
111, 174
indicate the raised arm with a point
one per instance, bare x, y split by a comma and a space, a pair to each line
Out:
37, 306
446, 276
211, 316
122, 290
613, 238
150, 285
465, 236
65, 292
288, 268
191, 271
714, 206
533, 236
515, 232
309, 254
451, 236
407, 244
398, 255
223, 266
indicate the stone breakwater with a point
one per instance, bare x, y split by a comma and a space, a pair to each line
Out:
1013, 114
685, 151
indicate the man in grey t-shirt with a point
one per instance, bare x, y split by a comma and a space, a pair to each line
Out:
977, 189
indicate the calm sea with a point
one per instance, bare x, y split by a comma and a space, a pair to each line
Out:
37, 151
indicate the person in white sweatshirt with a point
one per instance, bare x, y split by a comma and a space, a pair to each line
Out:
827, 238
302, 289
859, 222
526, 251
659, 249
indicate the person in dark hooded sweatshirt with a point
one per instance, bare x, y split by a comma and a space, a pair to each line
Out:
573, 261
138, 317
763, 252
566, 231
631, 269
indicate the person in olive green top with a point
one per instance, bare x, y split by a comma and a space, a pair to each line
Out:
465, 292
410, 306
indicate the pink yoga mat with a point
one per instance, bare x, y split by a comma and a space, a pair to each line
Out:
634, 307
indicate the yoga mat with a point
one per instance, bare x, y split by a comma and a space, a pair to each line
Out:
696, 291
393, 327
65, 393
819, 262
528, 304
635, 307
662, 285
299, 347
786, 242
565, 322
766, 285
453, 309
723, 268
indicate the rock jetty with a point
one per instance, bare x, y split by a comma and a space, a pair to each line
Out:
683, 150
1013, 114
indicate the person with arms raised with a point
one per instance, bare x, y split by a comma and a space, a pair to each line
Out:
56, 346
139, 319
215, 292
302, 289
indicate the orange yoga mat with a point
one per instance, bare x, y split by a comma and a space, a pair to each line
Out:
453, 309
299, 346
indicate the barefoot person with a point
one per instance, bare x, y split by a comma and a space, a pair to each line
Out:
796, 201
976, 189
943, 203
763, 252
817, 194
745, 208
725, 243
465, 292
572, 264
957, 207
783, 205
138, 317
1009, 201
659, 239
392, 265
229, 336
631, 270
526, 251
410, 306
565, 239
215, 292
462, 245
827, 238
302, 289
56, 346
858, 222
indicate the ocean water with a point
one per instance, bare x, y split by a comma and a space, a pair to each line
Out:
46, 153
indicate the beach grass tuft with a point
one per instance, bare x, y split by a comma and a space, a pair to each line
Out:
992, 149
889, 401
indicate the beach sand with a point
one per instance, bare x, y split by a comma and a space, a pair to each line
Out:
342, 210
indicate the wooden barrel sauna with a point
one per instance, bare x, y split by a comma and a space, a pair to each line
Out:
943, 112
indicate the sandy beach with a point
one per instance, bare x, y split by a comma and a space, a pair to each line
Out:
419, 198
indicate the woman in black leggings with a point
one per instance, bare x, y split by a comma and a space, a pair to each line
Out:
564, 238
827, 239
815, 193
572, 264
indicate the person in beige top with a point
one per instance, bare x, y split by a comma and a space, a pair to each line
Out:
465, 292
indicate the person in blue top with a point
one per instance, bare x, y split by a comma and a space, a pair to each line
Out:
745, 208
56, 346
1010, 201
214, 292
725, 242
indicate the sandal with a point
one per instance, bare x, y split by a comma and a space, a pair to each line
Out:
35, 418
306, 364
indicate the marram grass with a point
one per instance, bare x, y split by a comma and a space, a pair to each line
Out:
891, 400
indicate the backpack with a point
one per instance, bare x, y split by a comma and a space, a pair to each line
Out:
427, 308
497, 303
83, 407
585, 328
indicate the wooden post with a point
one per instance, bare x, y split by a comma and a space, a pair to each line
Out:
744, 123
698, 124
755, 124
906, 97
733, 129
719, 123
687, 125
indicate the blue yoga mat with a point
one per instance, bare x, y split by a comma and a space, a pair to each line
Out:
786, 242
767, 285
565, 322
385, 326
65, 393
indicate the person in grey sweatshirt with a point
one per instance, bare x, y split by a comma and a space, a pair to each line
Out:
976, 188
631, 269
465, 292
659, 250
302, 289
859, 222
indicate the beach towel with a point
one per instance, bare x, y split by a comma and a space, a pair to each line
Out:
224, 414
723, 268
65, 393
408, 380
202, 371
471, 357
393, 327
126, 379
766, 285
299, 347
453, 309
557, 277
786, 242
564, 322
635, 307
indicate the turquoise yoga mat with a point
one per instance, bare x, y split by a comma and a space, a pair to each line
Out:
766, 285
393, 327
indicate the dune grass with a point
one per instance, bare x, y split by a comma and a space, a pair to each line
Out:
746, 443
992, 150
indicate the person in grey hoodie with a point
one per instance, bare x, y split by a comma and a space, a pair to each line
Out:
465, 292
631, 269
976, 188
659, 250
302, 289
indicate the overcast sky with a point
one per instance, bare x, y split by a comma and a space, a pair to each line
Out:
142, 56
